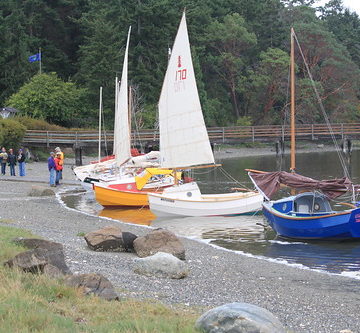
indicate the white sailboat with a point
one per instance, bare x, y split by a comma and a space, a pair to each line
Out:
184, 143
117, 169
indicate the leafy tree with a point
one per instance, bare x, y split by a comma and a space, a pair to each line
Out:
229, 46
47, 97
268, 87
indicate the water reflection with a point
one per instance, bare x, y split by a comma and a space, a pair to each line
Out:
245, 233
141, 216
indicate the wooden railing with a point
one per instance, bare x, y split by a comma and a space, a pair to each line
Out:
216, 134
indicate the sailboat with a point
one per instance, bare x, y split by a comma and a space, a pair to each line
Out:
307, 215
132, 177
184, 143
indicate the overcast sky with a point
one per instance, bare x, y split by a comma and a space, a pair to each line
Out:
353, 5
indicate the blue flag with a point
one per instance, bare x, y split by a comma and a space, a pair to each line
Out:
35, 57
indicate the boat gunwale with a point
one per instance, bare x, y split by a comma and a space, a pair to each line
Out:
300, 218
159, 195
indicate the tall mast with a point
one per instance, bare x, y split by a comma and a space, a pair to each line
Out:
292, 108
100, 112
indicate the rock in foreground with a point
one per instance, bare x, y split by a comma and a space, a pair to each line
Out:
159, 240
110, 238
239, 318
41, 261
93, 283
161, 265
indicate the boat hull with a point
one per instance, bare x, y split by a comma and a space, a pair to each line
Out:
111, 197
229, 204
339, 225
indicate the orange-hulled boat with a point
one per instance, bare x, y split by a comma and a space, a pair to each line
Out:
132, 191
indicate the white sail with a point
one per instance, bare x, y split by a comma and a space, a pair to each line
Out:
183, 136
121, 126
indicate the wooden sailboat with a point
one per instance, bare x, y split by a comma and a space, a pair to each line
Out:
307, 215
127, 187
184, 143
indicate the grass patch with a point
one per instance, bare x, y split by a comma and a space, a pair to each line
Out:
35, 303
7, 221
81, 234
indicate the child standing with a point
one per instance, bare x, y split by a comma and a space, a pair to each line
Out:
3, 160
59, 167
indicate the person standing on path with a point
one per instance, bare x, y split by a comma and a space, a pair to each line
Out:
21, 160
52, 169
59, 167
12, 162
3, 160
62, 157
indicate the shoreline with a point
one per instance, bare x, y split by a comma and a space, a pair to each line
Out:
226, 152
303, 300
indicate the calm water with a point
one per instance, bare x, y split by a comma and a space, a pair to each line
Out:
247, 233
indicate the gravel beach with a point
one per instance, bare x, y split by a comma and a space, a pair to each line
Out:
304, 300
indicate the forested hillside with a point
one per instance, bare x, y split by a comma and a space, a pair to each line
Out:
240, 52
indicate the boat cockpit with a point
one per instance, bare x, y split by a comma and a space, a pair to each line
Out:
307, 203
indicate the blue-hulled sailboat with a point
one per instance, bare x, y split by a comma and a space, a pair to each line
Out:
307, 215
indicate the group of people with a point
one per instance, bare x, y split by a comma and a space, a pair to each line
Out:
55, 166
10, 159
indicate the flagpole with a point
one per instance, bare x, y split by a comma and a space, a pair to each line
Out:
40, 59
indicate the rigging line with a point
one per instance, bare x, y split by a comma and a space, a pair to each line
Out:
342, 161
232, 178
135, 120
104, 131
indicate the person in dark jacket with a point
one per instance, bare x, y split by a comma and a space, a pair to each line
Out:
52, 169
12, 162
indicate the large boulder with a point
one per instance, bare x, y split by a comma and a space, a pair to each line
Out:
239, 318
159, 240
40, 191
110, 238
41, 261
161, 265
93, 283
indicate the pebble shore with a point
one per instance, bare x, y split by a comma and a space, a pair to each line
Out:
303, 300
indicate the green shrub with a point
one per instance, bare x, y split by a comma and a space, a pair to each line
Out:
38, 124
11, 133
244, 121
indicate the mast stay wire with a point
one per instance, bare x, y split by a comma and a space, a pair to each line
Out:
338, 150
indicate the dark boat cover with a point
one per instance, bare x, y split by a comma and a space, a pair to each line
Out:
269, 183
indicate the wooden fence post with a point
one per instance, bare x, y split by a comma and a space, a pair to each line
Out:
312, 132
47, 139
253, 133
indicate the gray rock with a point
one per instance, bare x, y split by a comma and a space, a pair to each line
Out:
40, 191
161, 265
93, 283
37, 259
239, 318
111, 239
37, 243
159, 240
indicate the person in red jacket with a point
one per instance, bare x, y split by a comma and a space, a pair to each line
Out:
59, 167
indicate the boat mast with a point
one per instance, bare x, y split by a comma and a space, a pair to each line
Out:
130, 113
100, 112
292, 107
